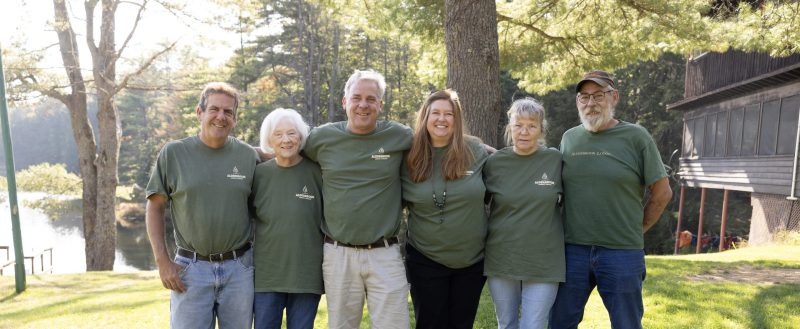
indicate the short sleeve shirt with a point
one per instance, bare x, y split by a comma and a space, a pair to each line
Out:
360, 179
605, 176
288, 241
208, 191
526, 235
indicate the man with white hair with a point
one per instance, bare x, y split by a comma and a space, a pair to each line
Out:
608, 164
360, 160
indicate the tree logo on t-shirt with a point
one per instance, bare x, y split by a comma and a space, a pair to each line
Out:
305, 195
544, 181
235, 174
380, 155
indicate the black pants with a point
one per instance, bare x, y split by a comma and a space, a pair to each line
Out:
443, 297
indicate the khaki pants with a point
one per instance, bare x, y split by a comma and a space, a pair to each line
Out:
378, 274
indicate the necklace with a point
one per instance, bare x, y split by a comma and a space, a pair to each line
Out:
439, 205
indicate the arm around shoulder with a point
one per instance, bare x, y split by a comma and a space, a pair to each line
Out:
660, 194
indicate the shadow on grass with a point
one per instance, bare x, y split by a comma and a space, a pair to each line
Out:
775, 306
10, 296
674, 300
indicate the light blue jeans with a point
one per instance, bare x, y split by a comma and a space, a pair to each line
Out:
532, 299
215, 291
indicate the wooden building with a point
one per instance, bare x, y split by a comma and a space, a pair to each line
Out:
741, 113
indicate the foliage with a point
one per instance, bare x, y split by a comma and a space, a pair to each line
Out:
791, 238
41, 132
672, 298
300, 56
49, 178
159, 108
55, 208
548, 44
765, 26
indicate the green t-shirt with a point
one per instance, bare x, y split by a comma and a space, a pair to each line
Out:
208, 190
457, 240
526, 234
288, 241
360, 179
605, 175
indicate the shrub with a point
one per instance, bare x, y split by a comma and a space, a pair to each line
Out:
49, 178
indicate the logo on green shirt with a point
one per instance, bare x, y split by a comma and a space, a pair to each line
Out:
235, 175
304, 195
381, 155
544, 181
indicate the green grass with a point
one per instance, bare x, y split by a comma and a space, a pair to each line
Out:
672, 298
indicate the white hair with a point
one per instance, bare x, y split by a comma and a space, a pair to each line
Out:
275, 117
359, 75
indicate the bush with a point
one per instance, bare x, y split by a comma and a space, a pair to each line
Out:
789, 238
49, 178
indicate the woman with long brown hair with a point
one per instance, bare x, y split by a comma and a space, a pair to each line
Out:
444, 192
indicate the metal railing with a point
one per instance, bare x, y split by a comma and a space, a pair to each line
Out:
33, 268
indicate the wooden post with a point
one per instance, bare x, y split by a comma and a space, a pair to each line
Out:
680, 215
700, 224
724, 220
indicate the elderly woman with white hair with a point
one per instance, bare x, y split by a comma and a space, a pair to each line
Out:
525, 245
287, 200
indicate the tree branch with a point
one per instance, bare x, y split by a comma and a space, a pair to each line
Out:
63, 98
559, 39
89, 6
133, 30
124, 83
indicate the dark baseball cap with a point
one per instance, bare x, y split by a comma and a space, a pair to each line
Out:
601, 78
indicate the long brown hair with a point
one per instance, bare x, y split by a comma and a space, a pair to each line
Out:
458, 156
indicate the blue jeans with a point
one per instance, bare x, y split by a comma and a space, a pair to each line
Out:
618, 275
515, 299
301, 309
215, 291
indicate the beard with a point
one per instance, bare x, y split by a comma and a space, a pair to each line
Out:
596, 122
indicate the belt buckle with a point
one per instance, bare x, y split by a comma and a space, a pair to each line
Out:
215, 257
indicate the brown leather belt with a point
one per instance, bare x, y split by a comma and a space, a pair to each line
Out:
221, 257
377, 244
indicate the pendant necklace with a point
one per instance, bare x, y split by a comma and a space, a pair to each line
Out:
436, 202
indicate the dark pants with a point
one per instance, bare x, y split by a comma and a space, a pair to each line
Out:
301, 309
618, 275
443, 297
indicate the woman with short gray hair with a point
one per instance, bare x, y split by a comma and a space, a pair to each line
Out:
287, 198
525, 245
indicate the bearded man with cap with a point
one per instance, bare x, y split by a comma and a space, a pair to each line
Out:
608, 166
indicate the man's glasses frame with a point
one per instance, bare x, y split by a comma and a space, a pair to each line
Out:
597, 97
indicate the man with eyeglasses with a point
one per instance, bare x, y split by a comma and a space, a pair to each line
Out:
608, 165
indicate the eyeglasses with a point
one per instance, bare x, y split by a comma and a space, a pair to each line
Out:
598, 97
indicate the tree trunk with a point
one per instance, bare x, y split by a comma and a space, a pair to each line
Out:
100, 248
332, 101
97, 162
387, 103
473, 65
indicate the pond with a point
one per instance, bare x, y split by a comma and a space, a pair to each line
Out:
65, 235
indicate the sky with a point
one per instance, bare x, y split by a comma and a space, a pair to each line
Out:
29, 20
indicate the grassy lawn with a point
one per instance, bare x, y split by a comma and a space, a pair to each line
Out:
756, 287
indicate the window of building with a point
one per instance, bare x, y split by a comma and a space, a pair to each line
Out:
768, 135
787, 131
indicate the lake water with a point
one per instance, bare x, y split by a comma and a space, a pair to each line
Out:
65, 236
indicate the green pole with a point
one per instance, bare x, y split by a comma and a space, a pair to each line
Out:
19, 266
